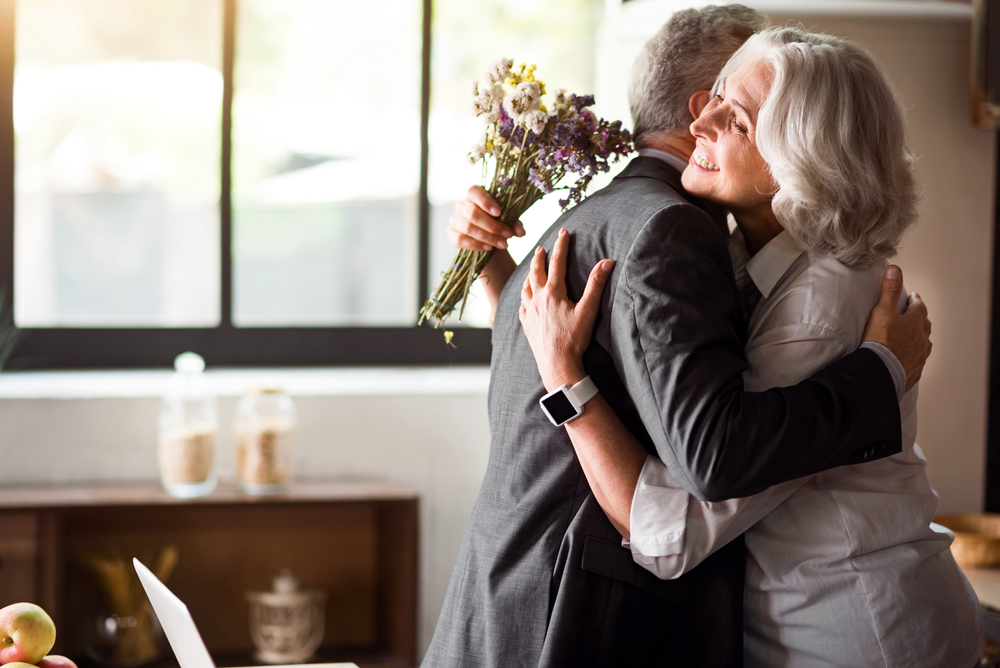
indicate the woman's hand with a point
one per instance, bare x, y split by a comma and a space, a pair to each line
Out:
558, 330
474, 226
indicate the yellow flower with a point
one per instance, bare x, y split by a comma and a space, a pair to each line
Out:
448, 337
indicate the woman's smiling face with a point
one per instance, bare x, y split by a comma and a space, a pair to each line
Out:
726, 166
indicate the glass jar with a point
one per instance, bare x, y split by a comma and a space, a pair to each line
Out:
188, 428
265, 422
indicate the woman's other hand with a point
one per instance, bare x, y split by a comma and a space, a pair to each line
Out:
558, 330
474, 226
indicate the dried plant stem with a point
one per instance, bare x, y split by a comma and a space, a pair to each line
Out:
515, 197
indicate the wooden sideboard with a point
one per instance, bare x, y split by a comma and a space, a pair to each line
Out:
355, 540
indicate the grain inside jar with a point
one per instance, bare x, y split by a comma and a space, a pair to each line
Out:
263, 455
187, 455
265, 423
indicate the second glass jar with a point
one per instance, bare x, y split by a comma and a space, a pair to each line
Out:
264, 425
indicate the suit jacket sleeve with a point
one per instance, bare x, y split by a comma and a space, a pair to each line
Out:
674, 341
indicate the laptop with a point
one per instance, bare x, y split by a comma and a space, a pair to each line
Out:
179, 627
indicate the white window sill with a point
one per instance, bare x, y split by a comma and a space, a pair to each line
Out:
304, 382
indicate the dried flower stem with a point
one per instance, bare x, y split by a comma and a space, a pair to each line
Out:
467, 265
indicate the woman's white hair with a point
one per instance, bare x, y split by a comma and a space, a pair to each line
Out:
833, 134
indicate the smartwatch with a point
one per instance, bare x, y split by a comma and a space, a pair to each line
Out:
566, 403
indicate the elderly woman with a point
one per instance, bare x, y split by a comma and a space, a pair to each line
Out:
803, 142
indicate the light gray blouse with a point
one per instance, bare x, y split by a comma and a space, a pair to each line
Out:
843, 567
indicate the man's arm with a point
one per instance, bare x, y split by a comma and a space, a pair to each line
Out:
676, 346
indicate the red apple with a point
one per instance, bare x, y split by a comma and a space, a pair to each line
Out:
55, 661
26, 633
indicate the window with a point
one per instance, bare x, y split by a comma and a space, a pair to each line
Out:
260, 181
117, 121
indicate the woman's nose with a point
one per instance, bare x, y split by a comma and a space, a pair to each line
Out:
705, 126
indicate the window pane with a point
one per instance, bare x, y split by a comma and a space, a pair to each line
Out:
326, 162
557, 35
117, 114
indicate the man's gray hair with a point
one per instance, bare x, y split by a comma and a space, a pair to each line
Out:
685, 56
833, 133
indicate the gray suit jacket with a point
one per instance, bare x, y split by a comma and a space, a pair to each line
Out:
541, 578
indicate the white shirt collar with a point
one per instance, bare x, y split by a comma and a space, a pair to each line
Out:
772, 262
674, 161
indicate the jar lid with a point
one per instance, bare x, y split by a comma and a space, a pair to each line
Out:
189, 363
285, 583
265, 389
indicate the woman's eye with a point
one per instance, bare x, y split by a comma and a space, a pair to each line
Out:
741, 129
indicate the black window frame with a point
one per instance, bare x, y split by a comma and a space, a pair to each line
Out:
992, 474
227, 345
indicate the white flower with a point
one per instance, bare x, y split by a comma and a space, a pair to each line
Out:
499, 71
486, 101
496, 92
476, 154
486, 105
479, 108
535, 121
527, 97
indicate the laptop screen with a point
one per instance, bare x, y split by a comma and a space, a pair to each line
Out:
175, 620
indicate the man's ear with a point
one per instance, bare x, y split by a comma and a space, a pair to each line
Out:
697, 102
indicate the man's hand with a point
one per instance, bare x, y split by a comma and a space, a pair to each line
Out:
908, 336
474, 226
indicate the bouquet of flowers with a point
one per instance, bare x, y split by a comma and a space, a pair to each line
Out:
531, 150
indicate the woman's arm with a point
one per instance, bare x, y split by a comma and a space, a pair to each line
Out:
611, 458
558, 332
670, 531
473, 226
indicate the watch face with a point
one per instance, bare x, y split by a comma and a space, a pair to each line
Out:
559, 407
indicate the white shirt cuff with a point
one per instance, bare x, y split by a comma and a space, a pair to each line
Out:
658, 519
891, 363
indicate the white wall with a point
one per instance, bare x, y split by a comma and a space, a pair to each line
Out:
947, 258
427, 429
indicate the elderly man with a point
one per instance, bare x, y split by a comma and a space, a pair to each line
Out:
542, 578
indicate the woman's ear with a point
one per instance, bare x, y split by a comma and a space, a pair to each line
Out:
697, 102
